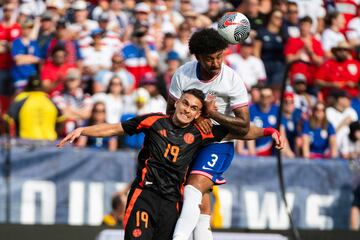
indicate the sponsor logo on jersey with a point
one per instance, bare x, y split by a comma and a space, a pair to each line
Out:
189, 138
136, 232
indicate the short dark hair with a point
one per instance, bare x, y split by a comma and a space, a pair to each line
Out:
206, 41
115, 202
354, 127
33, 84
57, 48
196, 93
306, 19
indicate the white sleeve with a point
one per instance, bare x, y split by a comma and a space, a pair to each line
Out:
175, 89
238, 93
260, 70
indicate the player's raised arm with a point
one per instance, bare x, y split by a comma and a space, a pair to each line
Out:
100, 130
256, 132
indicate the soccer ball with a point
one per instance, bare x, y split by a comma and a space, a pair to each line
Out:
234, 27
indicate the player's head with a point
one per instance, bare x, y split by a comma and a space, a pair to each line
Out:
189, 106
208, 47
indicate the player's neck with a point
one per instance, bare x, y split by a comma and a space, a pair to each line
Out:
204, 75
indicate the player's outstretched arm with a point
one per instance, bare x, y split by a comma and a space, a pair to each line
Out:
100, 130
239, 124
256, 132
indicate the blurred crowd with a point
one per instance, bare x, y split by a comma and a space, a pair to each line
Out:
71, 63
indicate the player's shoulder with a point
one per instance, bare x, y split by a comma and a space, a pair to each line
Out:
230, 73
186, 67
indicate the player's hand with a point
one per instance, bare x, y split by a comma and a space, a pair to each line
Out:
70, 138
204, 124
210, 107
279, 144
275, 135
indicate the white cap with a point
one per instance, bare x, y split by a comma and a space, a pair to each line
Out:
25, 9
79, 5
59, 4
142, 7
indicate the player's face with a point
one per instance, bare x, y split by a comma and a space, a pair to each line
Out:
211, 64
187, 108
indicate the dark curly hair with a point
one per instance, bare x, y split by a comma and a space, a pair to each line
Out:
206, 41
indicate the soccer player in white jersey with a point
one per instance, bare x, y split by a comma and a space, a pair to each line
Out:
209, 74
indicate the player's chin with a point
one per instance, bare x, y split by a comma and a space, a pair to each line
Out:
185, 119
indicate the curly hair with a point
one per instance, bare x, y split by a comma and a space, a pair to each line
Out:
206, 41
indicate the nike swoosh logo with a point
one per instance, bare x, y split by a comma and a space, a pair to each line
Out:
228, 23
206, 168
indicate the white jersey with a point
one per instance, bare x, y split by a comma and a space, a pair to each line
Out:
227, 86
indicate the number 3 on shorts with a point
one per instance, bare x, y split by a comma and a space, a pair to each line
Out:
213, 161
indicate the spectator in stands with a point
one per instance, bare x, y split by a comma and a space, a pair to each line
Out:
156, 102
348, 8
73, 102
332, 36
54, 71
269, 46
161, 22
34, 114
119, 19
251, 10
340, 72
166, 47
291, 22
103, 77
215, 10
173, 62
112, 37
82, 26
355, 102
250, 68
263, 114
9, 31
175, 17
303, 100
101, 7
341, 114
305, 48
290, 123
64, 37
353, 29
350, 143
113, 99
97, 56
25, 53
181, 42
313, 9
319, 140
140, 55
98, 116
116, 216
46, 31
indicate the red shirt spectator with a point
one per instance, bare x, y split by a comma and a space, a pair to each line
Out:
348, 8
53, 72
341, 72
305, 48
8, 33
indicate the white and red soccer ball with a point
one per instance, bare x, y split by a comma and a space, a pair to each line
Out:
234, 27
